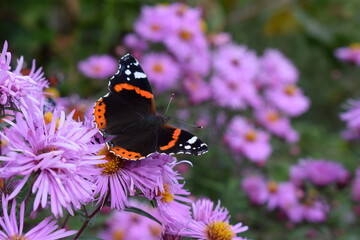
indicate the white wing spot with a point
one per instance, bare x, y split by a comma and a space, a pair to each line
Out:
127, 72
118, 71
140, 75
128, 78
192, 140
187, 147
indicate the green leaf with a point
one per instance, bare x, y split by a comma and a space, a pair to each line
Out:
142, 213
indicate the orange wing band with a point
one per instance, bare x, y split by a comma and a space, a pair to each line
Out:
99, 114
121, 86
122, 152
175, 137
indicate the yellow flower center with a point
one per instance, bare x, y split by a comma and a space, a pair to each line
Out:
159, 68
118, 234
219, 230
155, 230
155, 27
166, 195
273, 116
114, 163
97, 68
355, 46
272, 187
52, 92
290, 90
251, 136
17, 237
185, 35
47, 149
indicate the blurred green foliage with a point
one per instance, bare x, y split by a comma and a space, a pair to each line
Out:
60, 33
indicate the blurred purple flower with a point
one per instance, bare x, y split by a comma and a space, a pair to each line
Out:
58, 150
15, 86
355, 188
349, 54
256, 189
235, 61
282, 195
133, 41
128, 225
234, 92
352, 119
13, 229
276, 69
312, 211
197, 88
289, 99
98, 66
277, 124
243, 138
212, 223
163, 72
319, 172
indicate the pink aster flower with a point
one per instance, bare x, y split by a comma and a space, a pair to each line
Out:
155, 23
212, 222
276, 69
133, 41
57, 151
311, 211
289, 99
245, 139
256, 188
15, 86
162, 71
197, 88
319, 172
120, 178
98, 66
349, 54
235, 61
277, 124
12, 229
234, 92
128, 225
282, 195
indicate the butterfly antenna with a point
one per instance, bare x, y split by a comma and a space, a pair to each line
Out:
171, 98
189, 124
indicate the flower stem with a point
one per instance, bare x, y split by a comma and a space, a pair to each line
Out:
89, 217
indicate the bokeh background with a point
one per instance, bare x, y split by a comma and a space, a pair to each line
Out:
59, 34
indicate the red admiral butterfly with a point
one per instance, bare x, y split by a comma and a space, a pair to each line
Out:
127, 113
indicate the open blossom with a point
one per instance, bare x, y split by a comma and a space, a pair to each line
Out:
349, 54
352, 119
276, 69
276, 123
289, 99
98, 66
58, 150
15, 86
238, 61
256, 188
13, 229
212, 222
245, 139
311, 211
128, 225
161, 69
318, 171
282, 195
197, 88
355, 188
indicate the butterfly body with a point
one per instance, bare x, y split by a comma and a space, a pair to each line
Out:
127, 114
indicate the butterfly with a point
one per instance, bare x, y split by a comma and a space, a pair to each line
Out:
127, 114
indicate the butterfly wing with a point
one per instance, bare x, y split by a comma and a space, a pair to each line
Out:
171, 140
129, 100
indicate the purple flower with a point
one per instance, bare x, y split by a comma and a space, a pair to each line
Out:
236, 61
14, 86
276, 69
163, 72
243, 138
197, 88
311, 210
57, 151
234, 92
98, 66
120, 177
319, 172
11, 229
128, 225
277, 124
355, 188
256, 188
133, 41
352, 119
283, 195
349, 54
289, 99
155, 23
212, 223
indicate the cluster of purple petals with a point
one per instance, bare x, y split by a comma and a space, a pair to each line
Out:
352, 119
349, 54
299, 201
98, 66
